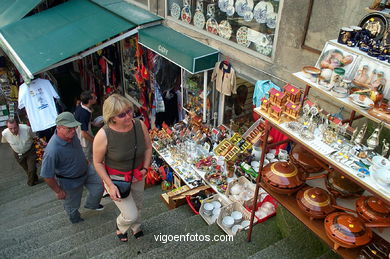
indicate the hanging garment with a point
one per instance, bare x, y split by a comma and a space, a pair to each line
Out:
38, 100
262, 88
225, 78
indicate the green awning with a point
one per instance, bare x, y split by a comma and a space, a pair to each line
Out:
46, 38
188, 53
14, 10
130, 12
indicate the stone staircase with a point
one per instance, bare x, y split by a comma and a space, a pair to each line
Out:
34, 225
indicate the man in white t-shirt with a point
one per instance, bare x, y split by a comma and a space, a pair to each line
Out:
20, 138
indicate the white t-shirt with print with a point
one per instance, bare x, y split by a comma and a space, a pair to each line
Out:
38, 100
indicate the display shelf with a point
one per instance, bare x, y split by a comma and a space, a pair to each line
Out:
367, 183
174, 166
317, 226
343, 101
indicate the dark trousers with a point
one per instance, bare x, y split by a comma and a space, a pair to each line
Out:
28, 162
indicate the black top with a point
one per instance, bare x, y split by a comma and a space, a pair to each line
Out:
83, 116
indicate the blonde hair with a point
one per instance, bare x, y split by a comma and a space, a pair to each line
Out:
114, 105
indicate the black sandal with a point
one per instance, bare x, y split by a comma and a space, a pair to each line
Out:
139, 234
122, 237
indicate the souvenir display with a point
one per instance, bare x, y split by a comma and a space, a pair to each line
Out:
225, 29
271, 20
305, 160
262, 10
242, 36
199, 19
186, 12
175, 11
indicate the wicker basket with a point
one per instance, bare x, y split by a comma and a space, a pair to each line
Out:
227, 211
244, 182
209, 219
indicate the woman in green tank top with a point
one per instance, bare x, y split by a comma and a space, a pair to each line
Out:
113, 157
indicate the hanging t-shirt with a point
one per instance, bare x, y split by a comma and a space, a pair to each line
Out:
38, 100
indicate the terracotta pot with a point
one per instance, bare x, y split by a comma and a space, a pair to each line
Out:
315, 202
373, 209
283, 177
304, 159
338, 185
348, 231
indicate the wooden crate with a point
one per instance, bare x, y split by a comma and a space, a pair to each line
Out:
177, 197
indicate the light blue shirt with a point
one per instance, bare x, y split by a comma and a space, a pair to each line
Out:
262, 88
66, 159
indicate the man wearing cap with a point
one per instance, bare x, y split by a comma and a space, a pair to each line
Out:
66, 170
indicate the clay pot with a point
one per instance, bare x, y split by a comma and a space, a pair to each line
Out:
348, 231
373, 209
338, 185
283, 177
315, 202
304, 159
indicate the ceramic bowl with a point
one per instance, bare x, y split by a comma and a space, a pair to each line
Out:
311, 72
379, 162
245, 223
236, 189
246, 195
235, 229
228, 222
237, 216
382, 176
208, 208
255, 165
216, 204
216, 211
270, 156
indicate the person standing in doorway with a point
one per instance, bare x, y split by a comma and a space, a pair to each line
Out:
66, 170
83, 114
20, 138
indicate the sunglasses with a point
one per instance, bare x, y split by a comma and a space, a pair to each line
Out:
123, 114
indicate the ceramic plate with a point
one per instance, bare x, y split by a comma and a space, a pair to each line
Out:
242, 36
186, 14
175, 11
212, 26
243, 6
225, 29
367, 103
271, 20
261, 11
223, 4
375, 23
199, 19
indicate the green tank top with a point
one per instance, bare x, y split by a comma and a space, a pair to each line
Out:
121, 147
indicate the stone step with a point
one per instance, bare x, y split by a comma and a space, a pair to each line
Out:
300, 245
109, 246
21, 190
329, 255
183, 249
263, 235
92, 218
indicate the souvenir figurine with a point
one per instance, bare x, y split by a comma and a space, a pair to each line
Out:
373, 140
360, 135
385, 147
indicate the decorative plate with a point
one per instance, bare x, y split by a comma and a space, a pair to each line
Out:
267, 50
199, 19
375, 23
186, 14
242, 36
225, 29
212, 26
261, 11
243, 6
364, 104
175, 11
223, 4
271, 20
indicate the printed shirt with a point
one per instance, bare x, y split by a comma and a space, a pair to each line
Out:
38, 100
20, 143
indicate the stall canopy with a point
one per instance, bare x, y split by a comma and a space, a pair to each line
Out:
14, 10
44, 39
187, 53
